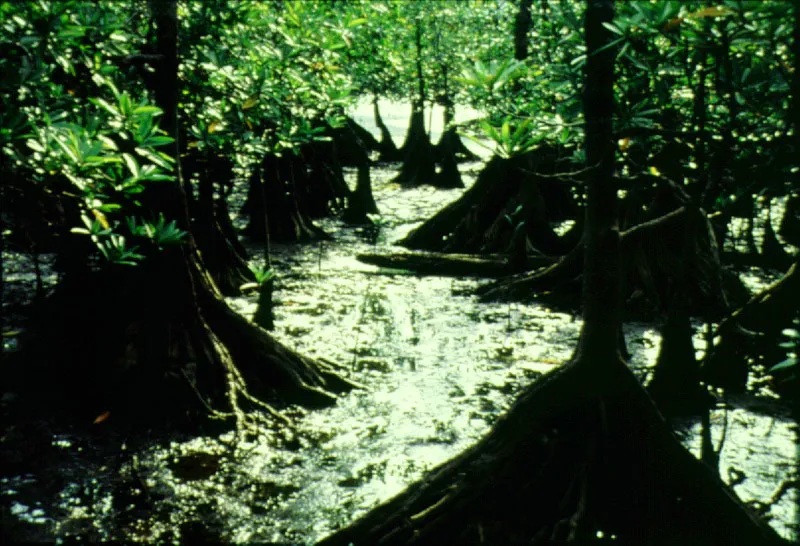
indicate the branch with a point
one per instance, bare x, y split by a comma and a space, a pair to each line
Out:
652, 131
568, 177
140, 59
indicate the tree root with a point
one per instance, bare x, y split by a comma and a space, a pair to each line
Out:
650, 250
157, 344
591, 440
274, 371
738, 335
226, 264
522, 286
478, 222
361, 202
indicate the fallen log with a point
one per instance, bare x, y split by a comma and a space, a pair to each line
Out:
456, 265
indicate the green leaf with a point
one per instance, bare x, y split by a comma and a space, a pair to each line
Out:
70, 150
159, 177
125, 105
110, 144
490, 130
147, 109
785, 364
520, 131
35, 145
158, 159
101, 160
505, 132
609, 45
262, 275
106, 106
614, 28
144, 129
132, 165
480, 142
357, 22
72, 31
156, 141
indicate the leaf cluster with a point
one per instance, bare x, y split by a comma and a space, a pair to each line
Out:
79, 126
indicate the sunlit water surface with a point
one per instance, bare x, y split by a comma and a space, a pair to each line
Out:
438, 369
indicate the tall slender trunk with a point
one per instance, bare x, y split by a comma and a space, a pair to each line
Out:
420, 75
795, 90
699, 116
723, 76
601, 275
593, 442
522, 24
174, 203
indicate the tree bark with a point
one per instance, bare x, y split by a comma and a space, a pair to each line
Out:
361, 202
476, 222
418, 166
749, 328
387, 148
223, 255
273, 204
575, 455
602, 272
522, 25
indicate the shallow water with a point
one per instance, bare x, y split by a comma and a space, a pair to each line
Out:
438, 369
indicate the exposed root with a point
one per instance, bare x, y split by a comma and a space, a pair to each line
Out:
579, 456
157, 344
418, 160
275, 202
751, 330
478, 222
651, 251
522, 286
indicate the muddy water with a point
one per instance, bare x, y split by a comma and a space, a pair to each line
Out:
438, 369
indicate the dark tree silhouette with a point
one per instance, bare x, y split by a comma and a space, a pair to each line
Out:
522, 24
157, 342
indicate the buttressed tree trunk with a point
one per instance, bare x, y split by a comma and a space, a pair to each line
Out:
233, 345
274, 205
417, 151
157, 343
419, 166
387, 148
476, 221
216, 239
361, 202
